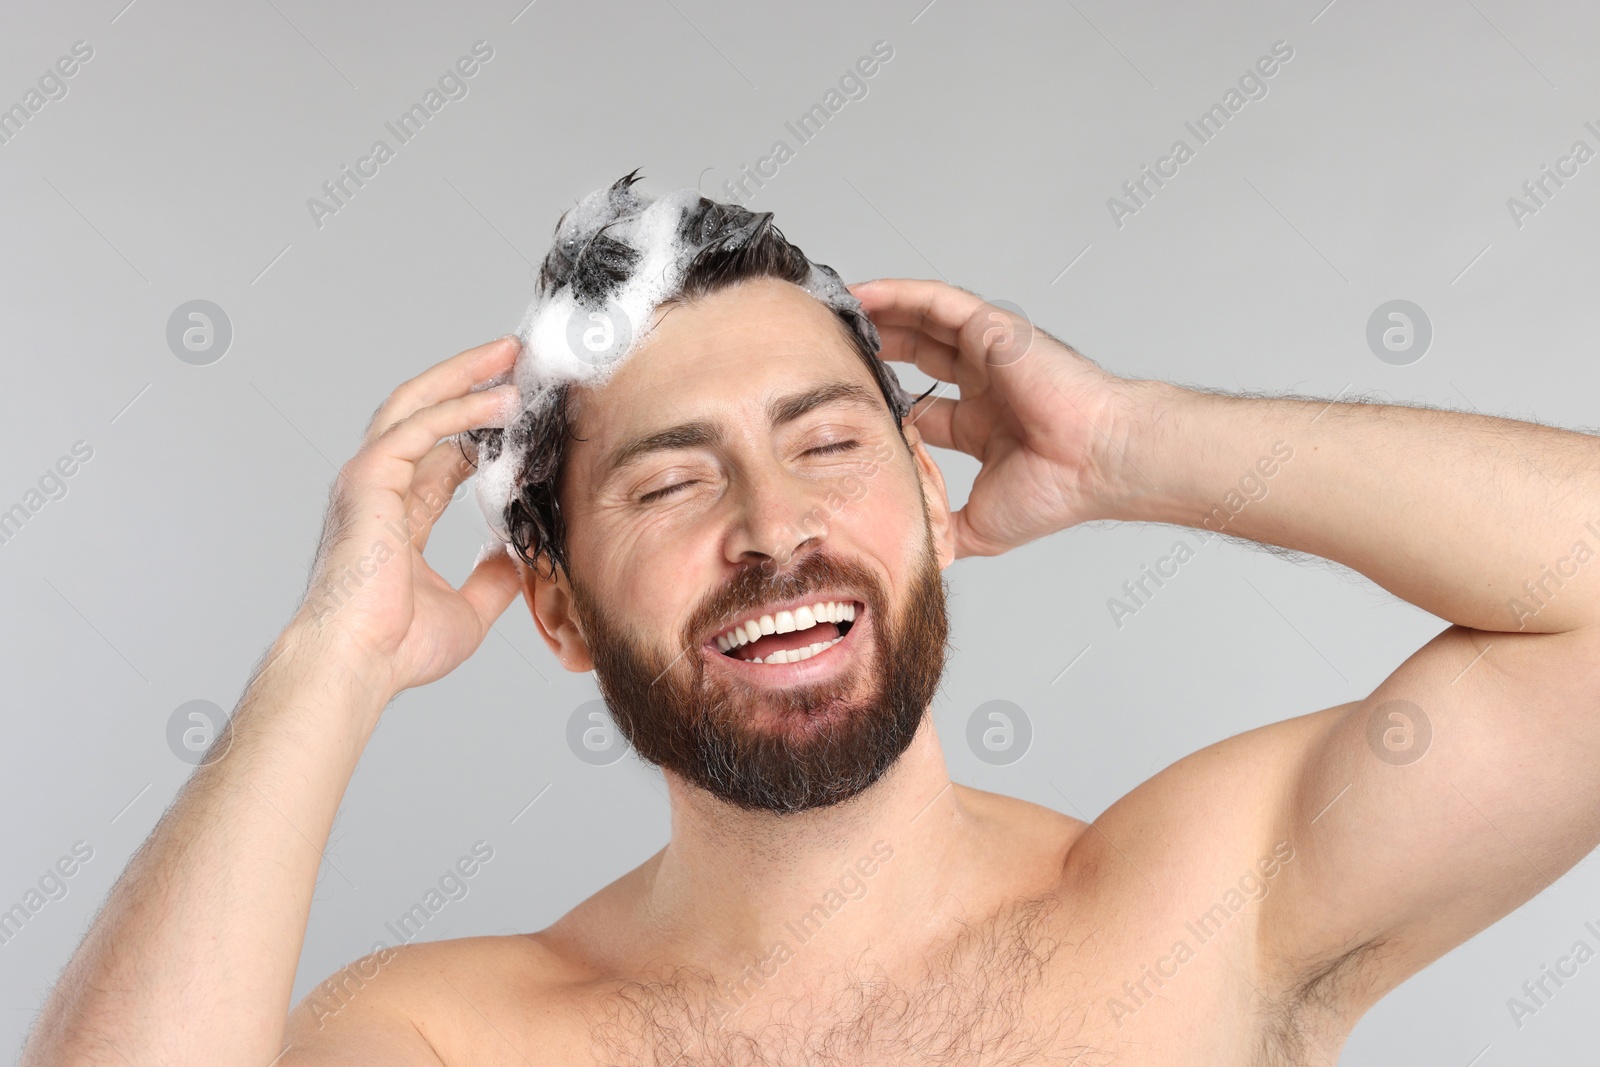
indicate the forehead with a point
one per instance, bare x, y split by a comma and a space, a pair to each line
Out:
720, 356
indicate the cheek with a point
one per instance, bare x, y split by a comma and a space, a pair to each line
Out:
881, 516
652, 573
650, 548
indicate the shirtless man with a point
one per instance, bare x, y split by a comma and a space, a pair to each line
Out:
827, 895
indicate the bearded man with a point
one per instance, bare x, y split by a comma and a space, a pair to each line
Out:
710, 489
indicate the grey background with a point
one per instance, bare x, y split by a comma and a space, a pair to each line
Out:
178, 167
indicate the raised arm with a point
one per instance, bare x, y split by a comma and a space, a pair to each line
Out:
192, 958
1465, 783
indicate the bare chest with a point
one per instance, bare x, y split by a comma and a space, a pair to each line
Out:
1026, 986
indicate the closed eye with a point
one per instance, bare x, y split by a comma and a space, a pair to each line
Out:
657, 494
821, 450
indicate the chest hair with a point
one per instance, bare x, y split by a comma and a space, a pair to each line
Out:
988, 995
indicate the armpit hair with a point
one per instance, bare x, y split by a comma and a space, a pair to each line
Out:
1317, 993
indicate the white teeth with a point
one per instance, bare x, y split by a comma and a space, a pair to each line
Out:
783, 622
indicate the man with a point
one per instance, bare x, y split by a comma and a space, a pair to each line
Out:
828, 896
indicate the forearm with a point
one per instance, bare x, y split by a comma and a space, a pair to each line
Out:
193, 957
1487, 522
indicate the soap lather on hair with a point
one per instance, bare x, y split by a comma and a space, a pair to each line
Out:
618, 255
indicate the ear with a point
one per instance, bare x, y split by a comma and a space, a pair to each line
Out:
549, 598
938, 500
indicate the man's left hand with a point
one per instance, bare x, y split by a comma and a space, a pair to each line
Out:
1038, 416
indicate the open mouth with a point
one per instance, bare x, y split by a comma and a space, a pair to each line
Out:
789, 634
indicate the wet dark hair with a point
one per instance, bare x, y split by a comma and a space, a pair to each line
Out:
739, 245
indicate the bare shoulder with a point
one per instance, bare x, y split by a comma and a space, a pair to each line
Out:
466, 1000
1197, 819
1228, 791
1021, 826
1211, 829
416, 1004
1193, 830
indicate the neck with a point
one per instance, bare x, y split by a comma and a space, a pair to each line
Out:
732, 884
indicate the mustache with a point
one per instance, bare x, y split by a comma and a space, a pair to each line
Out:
750, 589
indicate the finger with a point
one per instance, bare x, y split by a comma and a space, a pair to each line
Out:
987, 336
433, 488
936, 308
452, 378
441, 471
390, 460
491, 587
906, 344
934, 417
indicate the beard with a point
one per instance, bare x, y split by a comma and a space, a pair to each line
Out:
823, 742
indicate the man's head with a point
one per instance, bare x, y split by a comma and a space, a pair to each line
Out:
743, 463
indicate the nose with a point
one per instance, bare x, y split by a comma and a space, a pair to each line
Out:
778, 517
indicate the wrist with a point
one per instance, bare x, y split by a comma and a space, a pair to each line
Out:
307, 656
1143, 416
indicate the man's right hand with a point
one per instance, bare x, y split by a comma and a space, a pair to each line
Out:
373, 599
219, 896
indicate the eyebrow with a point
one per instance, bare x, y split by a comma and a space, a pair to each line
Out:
699, 433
